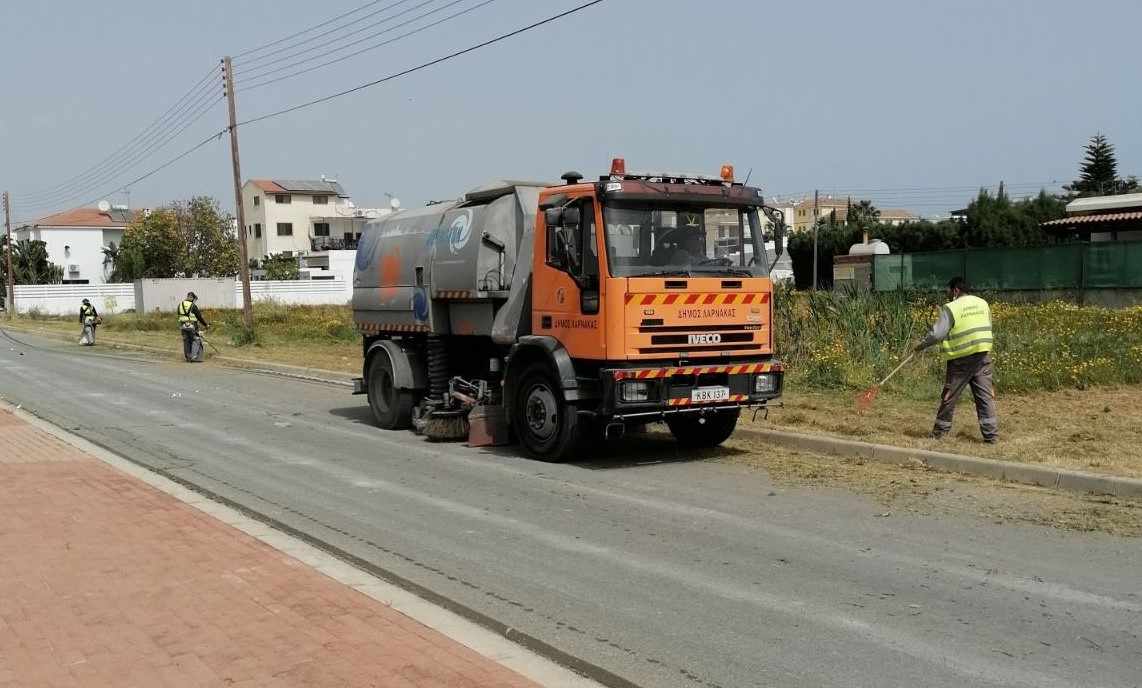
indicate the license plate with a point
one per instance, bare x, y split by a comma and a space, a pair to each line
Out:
710, 394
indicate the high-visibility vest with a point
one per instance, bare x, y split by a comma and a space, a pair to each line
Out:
88, 313
971, 330
184, 311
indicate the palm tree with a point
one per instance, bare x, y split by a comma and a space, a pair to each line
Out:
30, 264
110, 261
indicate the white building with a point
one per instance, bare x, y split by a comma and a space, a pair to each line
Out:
75, 240
298, 217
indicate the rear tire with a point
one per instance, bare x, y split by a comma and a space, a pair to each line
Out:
392, 408
689, 432
546, 425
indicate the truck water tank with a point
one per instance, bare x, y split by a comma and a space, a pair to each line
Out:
874, 247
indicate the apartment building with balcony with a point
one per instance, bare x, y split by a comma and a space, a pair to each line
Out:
299, 217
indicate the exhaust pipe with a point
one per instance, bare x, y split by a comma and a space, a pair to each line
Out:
614, 431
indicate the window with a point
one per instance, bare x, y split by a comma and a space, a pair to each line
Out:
258, 230
285, 229
320, 229
282, 198
320, 200
257, 200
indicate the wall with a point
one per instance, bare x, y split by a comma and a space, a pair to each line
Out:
64, 299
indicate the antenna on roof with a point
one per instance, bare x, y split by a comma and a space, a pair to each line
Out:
103, 206
747, 174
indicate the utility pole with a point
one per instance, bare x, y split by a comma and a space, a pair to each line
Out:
11, 284
244, 266
816, 222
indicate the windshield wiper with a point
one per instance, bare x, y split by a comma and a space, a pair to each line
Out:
664, 273
737, 272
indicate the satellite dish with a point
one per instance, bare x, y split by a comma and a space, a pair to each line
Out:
103, 206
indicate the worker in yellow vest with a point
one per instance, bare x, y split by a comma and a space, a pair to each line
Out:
189, 320
964, 334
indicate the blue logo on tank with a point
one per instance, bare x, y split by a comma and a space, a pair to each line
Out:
420, 304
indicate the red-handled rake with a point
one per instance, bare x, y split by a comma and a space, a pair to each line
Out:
864, 401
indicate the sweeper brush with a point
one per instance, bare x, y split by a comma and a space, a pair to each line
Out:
446, 426
864, 401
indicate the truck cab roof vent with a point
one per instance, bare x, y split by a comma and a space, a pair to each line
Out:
571, 177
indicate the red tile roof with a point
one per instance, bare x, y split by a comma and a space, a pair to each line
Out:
1093, 219
268, 186
81, 217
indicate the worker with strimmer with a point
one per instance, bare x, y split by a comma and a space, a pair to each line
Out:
964, 333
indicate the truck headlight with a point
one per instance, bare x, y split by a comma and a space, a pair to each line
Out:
635, 391
765, 383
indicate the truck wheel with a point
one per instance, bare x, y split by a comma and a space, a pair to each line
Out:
392, 408
691, 433
546, 425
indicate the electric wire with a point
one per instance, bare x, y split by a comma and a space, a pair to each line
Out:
266, 69
373, 47
316, 26
137, 154
103, 180
424, 65
191, 95
241, 66
168, 163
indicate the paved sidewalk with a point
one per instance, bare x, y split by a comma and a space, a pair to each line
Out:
106, 580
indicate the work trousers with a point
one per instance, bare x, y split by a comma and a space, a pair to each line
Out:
973, 370
188, 335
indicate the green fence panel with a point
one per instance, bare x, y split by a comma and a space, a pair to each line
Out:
1067, 266
1113, 264
1048, 267
916, 270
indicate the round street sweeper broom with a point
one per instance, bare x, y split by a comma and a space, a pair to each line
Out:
864, 401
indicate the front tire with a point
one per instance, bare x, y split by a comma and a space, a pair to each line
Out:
546, 425
688, 429
392, 408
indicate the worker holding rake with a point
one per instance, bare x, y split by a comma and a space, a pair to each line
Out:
964, 334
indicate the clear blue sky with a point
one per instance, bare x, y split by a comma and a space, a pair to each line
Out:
909, 104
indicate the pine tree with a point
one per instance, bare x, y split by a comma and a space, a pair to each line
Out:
1098, 174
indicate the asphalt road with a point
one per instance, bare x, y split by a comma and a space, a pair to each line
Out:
659, 568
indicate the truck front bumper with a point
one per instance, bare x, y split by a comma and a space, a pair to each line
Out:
633, 392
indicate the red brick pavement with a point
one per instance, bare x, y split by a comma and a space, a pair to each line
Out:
106, 581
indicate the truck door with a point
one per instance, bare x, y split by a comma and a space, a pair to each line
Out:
566, 300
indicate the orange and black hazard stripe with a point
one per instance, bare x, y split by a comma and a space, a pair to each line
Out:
697, 299
687, 401
377, 328
656, 373
454, 294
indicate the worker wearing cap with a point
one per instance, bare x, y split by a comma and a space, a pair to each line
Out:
964, 333
88, 316
189, 318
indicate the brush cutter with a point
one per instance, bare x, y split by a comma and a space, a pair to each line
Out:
864, 401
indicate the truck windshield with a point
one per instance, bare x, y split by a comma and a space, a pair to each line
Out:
647, 240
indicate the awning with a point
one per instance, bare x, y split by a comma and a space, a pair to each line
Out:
1109, 218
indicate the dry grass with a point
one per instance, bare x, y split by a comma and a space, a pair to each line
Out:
1097, 430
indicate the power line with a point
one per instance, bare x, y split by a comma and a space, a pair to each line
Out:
169, 133
326, 33
180, 156
316, 26
195, 92
426, 64
364, 50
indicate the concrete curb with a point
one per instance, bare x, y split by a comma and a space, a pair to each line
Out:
1003, 470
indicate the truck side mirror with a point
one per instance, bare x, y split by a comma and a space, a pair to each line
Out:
778, 219
572, 216
553, 217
